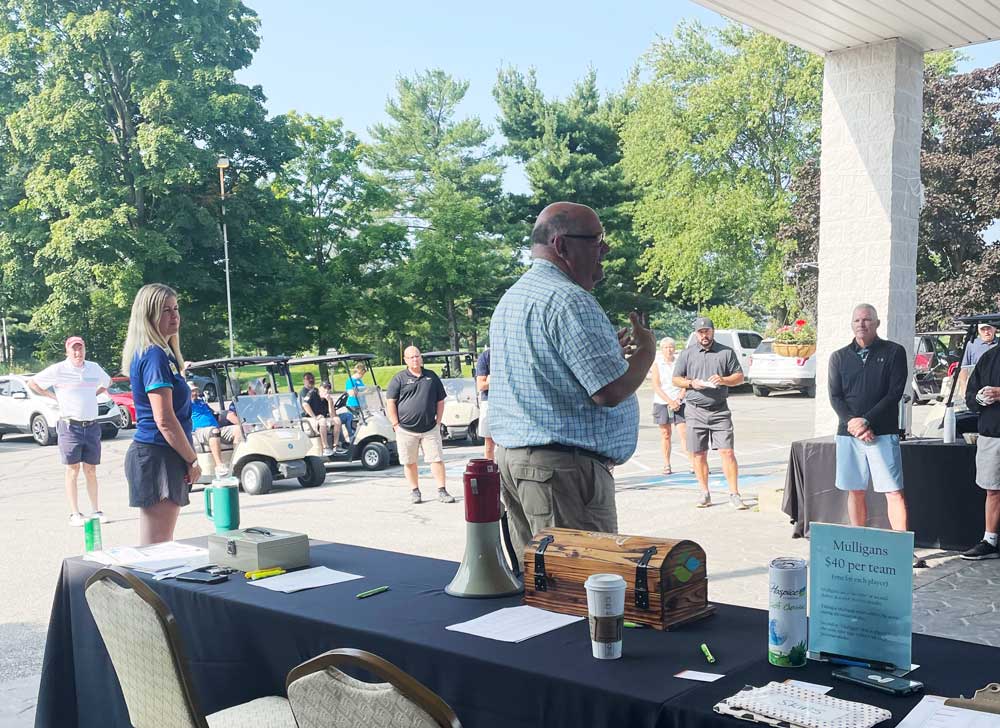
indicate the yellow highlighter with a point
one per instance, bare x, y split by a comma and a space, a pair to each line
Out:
264, 573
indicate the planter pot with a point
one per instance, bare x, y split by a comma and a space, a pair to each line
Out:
799, 351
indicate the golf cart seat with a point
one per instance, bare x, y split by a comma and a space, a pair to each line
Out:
202, 445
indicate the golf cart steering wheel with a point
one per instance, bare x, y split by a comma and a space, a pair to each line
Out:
341, 401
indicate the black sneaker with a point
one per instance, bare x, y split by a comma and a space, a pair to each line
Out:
982, 550
444, 496
415, 496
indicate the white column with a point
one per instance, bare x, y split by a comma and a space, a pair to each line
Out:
869, 199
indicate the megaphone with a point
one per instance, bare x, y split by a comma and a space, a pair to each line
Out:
484, 572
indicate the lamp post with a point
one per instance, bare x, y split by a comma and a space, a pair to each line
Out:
223, 164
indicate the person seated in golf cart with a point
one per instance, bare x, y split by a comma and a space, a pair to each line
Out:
317, 409
211, 430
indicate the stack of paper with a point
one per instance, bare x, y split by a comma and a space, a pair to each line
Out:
514, 624
931, 712
162, 560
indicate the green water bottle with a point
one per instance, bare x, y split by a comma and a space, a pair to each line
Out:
92, 535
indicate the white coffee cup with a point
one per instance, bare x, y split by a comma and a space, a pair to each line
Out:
606, 608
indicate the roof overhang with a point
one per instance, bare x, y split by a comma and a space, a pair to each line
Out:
825, 26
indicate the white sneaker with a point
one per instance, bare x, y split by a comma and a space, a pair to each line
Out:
704, 500
327, 452
100, 515
737, 502
77, 519
221, 471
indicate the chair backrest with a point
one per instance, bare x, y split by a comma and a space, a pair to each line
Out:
144, 644
323, 696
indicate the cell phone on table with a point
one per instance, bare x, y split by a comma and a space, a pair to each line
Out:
204, 575
877, 680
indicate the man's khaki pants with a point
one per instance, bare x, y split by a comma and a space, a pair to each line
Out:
543, 488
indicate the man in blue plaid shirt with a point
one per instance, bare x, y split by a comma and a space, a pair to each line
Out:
562, 382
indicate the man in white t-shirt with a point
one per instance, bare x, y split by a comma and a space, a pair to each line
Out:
76, 383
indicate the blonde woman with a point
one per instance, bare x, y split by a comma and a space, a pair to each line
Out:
161, 461
668, 400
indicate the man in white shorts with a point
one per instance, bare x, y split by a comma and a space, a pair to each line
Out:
415, 405
982, 396
867, 379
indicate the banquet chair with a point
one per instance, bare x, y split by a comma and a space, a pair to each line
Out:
144, 643
323, 696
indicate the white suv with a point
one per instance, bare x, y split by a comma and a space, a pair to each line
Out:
741, 341
23, 411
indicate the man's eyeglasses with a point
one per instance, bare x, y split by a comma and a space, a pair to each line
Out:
598, 237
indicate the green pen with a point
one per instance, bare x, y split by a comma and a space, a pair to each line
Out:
372, 592
632, 625
706, 653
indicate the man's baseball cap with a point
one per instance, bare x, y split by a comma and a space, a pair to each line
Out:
987, 325
703, 322
74, 340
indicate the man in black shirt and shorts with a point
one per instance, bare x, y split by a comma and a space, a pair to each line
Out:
707, 369
415, 405
317, 407
983, 396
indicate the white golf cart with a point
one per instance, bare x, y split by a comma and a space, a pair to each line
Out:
373, 441
274, 447
461, 407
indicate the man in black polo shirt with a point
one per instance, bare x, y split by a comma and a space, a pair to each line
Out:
415, 406
707, 369
983, 396
867, 378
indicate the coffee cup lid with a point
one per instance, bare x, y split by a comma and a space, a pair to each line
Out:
604, 582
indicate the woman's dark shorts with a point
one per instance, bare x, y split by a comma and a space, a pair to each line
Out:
155, 473
663, 415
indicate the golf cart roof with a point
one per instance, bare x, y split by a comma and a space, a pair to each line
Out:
984, 318
330, 357
428, 354
238, 361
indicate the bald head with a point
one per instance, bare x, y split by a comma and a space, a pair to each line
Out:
571, 237
560, 218
412, 357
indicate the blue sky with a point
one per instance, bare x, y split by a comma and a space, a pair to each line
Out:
341, 59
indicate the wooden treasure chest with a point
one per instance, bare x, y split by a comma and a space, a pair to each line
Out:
665, 578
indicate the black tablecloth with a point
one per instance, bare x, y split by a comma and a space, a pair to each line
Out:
242, 640
944, 504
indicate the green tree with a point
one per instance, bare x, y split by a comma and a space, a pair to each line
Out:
445, 180
130, 104
571, 150
725, 118
344, 253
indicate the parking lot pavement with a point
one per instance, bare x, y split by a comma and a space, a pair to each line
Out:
373, 509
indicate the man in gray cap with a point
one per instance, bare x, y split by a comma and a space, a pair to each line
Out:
708, 369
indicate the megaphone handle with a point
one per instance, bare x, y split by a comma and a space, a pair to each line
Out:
505, 531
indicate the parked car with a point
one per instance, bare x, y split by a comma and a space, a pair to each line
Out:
205, 384
769, 372
23, 411
741, 341
120, 392
935, 354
